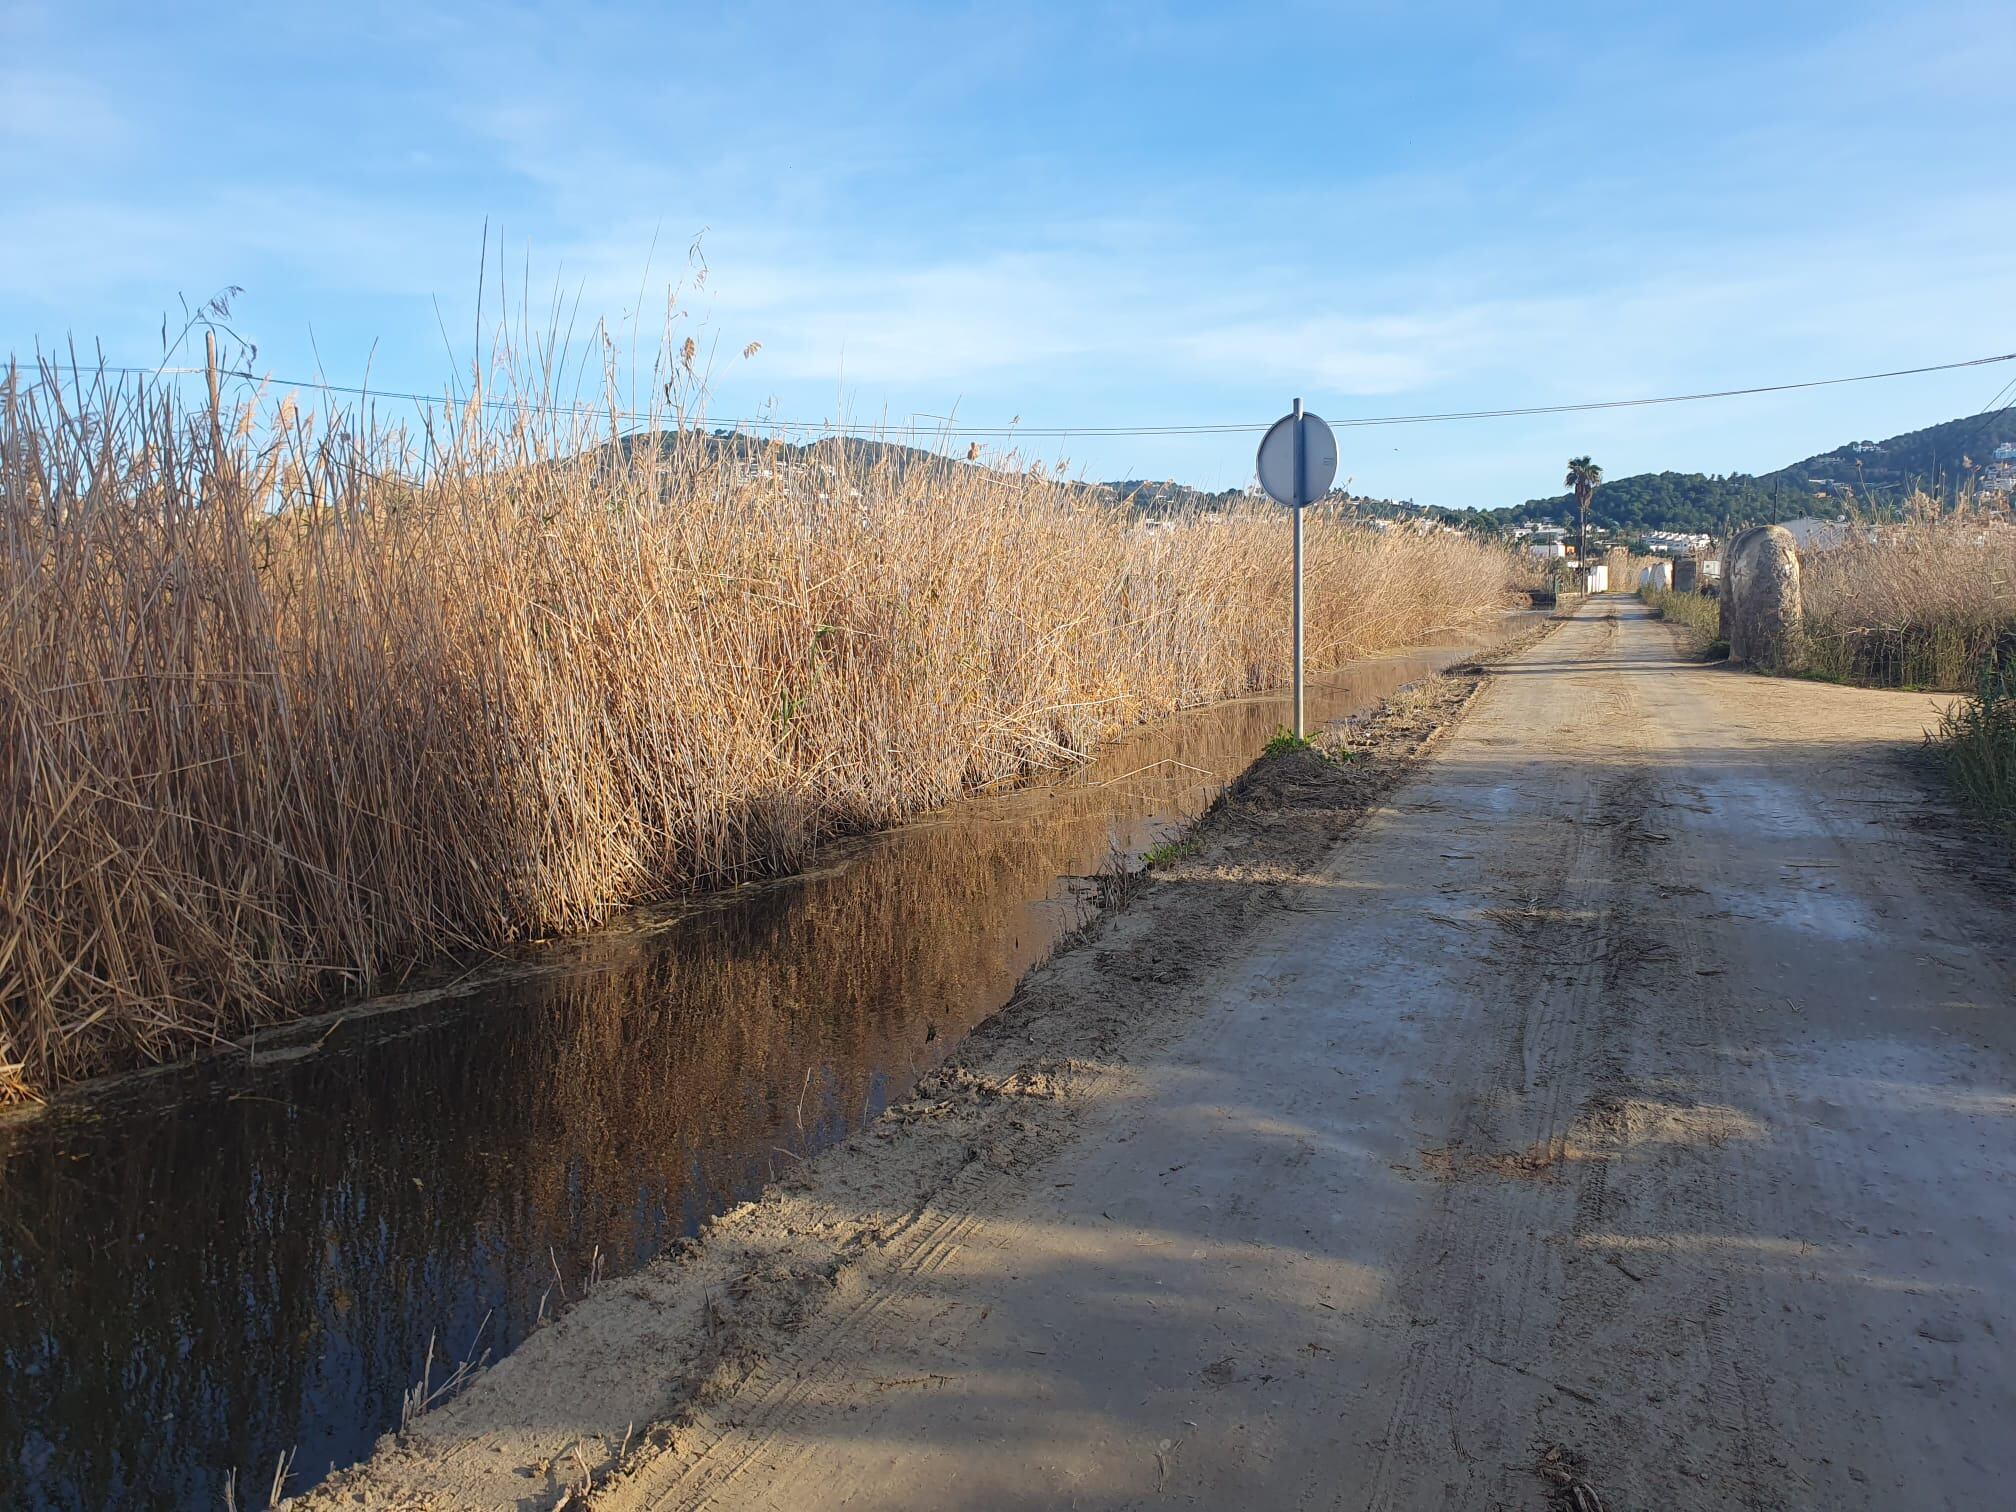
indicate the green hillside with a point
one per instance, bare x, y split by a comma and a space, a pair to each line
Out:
1869, 476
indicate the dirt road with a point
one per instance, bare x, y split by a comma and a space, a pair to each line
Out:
1624, 1109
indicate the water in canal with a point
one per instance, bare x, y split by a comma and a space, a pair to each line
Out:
205, 1268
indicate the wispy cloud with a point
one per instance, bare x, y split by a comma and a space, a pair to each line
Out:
1078, 215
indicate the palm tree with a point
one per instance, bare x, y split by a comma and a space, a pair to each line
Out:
1583, 476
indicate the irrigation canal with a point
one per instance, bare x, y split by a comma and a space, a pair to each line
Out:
204, 1269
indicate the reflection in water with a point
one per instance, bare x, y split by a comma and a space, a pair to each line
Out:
201, 1270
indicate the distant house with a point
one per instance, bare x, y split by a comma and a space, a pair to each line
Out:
1866, 447
2006, 452
1677, 542
1997, 478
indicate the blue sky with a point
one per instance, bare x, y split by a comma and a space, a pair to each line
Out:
1071, 213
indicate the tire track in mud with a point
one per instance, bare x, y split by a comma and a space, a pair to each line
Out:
1658, 1158
1627, 1178
1532, 1164
718, 1451
1540, 979
1499, 1169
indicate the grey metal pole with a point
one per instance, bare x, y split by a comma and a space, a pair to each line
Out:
1301, 498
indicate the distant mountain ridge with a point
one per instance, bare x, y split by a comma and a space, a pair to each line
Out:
1868, 476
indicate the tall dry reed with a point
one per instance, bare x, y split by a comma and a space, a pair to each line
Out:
281, 713
1929, 602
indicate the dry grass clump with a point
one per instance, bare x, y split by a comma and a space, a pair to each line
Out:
281, 712
1926, 603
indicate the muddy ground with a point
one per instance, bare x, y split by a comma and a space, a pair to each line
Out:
1597, 1090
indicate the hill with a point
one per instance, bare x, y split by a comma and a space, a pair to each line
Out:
1165, 499
1868, 476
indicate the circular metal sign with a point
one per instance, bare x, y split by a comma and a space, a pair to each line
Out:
1276, 462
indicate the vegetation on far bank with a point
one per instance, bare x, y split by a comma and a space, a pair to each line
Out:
283, 712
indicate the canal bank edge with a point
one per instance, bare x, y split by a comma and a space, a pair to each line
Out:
622, 1387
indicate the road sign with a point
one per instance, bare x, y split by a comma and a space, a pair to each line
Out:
1297, 464
1298, 476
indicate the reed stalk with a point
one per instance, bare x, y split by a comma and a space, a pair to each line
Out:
289, 702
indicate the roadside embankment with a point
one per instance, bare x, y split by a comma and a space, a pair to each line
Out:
282, 711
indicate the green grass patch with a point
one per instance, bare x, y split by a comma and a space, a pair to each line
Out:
1168, 852
1285, 741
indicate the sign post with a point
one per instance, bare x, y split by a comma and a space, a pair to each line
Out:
1297, 464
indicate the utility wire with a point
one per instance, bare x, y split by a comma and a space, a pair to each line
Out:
2006, 389
950, 427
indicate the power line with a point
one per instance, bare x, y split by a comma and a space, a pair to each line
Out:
2006, 388
951, 427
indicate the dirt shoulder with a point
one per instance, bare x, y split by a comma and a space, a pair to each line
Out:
631, 1372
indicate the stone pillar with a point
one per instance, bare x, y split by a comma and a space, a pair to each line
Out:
1761, 612
1686, 576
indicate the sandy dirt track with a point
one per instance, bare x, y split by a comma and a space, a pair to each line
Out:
1621, 1113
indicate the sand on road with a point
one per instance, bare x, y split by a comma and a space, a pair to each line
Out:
1624, 1108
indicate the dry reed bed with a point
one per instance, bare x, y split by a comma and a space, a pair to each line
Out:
276, 719
1927, 603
